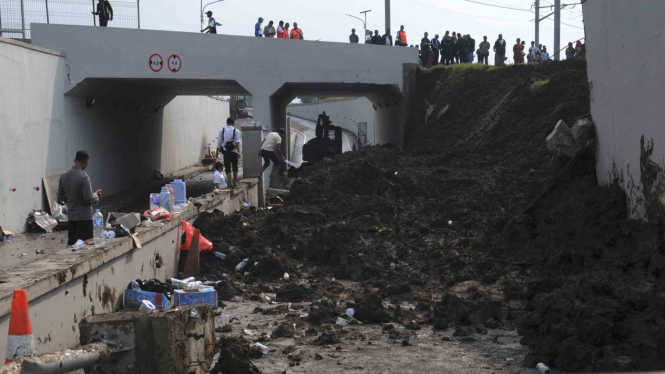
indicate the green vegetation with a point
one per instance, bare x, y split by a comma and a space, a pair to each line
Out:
539, 84
458, 71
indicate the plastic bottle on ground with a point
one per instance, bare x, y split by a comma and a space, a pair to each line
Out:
166, 200
543, 369
220, 255
78, 245
98, 228
242, 264
135, 285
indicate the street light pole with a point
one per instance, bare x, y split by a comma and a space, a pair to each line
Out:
557, 28
365, 13
361, 20
203, 8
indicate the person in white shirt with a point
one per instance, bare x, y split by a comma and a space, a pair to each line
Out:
228, 142
545, 55
220, 181
271, 151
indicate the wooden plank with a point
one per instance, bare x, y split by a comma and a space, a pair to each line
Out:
51, 189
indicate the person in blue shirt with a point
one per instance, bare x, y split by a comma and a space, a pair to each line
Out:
258, 30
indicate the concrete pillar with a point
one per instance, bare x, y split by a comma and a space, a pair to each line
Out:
252, 164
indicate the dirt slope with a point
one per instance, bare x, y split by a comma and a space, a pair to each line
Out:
476, 223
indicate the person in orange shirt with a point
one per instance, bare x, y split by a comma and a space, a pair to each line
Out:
286, 31
296, 33
280, 30
518, 56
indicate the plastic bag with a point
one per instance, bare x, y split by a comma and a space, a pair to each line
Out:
60, 212
157, 214
204, 244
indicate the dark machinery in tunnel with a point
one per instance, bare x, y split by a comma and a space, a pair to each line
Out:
322, 145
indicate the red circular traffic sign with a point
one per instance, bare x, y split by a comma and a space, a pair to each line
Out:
175, 63
156, 62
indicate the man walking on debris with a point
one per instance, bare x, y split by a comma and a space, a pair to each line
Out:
271, 151
74, 189
105, 12
228, 142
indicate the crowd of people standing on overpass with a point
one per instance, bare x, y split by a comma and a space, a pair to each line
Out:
455, 48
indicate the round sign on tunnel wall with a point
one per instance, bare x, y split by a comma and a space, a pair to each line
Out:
156, 62
175, 63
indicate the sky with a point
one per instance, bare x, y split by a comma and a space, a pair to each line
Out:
327, 20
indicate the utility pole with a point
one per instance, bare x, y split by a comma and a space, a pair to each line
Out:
387, 17
537, 22
557, 29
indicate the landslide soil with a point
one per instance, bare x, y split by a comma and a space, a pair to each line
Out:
474, 223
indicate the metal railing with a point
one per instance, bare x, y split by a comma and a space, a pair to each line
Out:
17, 15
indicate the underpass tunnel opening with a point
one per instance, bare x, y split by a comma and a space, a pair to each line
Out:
387, 102
134, 127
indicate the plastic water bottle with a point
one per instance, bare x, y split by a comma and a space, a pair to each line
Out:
135, 285
165, 200
242, 264
220, 255
98, 229
543, 369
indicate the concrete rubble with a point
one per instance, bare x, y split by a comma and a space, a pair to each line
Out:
561, 140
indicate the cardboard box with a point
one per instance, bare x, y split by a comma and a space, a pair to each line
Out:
195, 297
158, 299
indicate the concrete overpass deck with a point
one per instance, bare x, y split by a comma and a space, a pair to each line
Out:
150, 68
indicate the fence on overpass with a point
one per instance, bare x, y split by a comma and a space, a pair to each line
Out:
17, 15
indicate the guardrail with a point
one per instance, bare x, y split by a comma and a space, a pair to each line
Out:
17, 15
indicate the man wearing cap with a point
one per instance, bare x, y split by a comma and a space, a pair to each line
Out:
271, 151
74, 189
212, 24
258, 30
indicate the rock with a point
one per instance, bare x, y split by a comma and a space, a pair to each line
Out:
288, 349
293, 292
583, 130
440, 324
326, 338
561, 140
481, 330
492, 323
318, 357
296, 355
388, 327
413, 325
225, 328
255, 352
369, 309
463, 331
284, 330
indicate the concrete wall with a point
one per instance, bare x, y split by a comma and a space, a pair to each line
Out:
41, 129
627, 90
342, 113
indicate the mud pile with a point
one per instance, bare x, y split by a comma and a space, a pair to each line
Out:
474, 222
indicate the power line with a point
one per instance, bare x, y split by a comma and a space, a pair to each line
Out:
498, 6
464, 14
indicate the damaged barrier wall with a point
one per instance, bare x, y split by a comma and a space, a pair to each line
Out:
65, 287
345, 113
41, 129
627, 87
